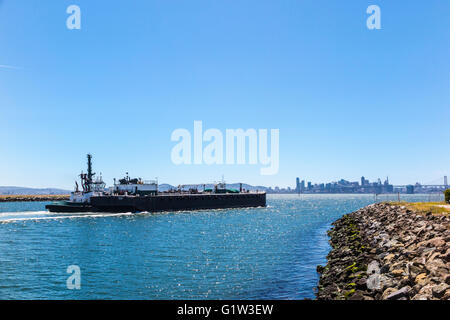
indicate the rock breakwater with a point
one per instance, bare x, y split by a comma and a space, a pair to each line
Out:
29, 198
390, 252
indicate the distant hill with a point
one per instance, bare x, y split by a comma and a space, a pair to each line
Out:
165, 186
246, 187
31, 191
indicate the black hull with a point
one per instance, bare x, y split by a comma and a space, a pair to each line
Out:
159, 203
67, 206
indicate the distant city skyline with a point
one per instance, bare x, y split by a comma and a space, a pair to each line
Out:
362, 186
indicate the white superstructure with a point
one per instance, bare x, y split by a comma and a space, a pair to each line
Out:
135, 186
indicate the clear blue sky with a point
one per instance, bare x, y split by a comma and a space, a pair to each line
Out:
348, 101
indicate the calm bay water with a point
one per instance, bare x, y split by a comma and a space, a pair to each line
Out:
260, 253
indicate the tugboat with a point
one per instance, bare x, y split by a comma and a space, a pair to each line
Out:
137, 195
80, 200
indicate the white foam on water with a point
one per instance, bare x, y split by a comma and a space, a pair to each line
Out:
22, 213
6, 217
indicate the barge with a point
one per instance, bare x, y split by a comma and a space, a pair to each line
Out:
137, 195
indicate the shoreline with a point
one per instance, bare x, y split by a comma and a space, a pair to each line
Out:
33, 198
387, 252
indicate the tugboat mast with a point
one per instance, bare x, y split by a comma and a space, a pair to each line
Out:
90, 174
87, 180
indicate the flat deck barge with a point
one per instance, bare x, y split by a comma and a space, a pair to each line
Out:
163, 202
179, 202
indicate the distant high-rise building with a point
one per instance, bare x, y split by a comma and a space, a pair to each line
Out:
297, 185
363, 181
410, 189
309, 185
445, 181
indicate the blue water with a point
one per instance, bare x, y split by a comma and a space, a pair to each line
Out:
260, 253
